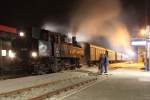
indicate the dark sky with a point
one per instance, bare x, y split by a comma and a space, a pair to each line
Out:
35, 12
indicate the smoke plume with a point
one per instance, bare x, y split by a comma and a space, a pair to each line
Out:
100, 18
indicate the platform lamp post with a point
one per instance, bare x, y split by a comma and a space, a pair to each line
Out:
147, 37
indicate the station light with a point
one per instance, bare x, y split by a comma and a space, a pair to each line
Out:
143, 31
21, 34
138, 43
34, 54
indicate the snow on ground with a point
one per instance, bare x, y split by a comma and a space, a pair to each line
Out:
49, 88
93, 69
124, 70
18, 83
123, 84
70, 92
13, 84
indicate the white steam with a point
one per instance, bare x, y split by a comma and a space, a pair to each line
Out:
94, 18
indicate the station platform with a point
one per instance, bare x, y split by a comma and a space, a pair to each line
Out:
121, 84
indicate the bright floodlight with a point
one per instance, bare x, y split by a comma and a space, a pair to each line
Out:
22, 34
143, 32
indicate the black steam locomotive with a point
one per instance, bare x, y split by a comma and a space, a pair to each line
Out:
40, 51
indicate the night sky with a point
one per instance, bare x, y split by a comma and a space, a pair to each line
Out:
34, 12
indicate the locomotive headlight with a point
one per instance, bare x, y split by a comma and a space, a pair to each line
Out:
11, 54
22, 34
34, 54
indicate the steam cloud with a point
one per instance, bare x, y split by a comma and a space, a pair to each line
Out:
92, 19
100, 18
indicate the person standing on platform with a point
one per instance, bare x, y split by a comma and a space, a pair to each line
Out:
106, 62
103, 63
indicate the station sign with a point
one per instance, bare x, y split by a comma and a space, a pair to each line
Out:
138, 43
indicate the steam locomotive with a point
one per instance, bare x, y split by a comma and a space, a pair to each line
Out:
39, 51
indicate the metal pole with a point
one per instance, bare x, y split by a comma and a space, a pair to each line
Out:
145, 54
147, 48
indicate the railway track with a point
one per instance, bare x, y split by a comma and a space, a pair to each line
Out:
42, 91
64, 89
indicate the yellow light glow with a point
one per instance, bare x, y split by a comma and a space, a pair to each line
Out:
34, 54
143, 32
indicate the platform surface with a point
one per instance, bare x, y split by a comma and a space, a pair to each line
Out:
122, 84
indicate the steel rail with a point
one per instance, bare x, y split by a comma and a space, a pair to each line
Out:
58, 91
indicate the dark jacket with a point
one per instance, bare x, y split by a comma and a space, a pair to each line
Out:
103, 59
